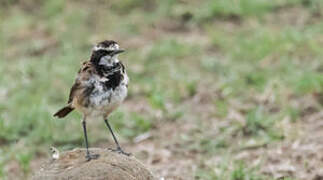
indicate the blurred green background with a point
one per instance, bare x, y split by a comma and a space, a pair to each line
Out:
215, 85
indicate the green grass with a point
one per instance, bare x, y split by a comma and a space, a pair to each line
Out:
238, 9
227, 54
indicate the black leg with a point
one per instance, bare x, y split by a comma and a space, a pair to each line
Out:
85, 136
88, 155
119, 150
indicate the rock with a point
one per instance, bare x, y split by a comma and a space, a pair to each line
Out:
109, 166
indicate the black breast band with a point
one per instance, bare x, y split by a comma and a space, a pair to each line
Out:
113, 74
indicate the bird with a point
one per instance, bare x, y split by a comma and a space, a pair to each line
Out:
101, 86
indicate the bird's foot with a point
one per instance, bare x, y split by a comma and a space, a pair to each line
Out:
120, 151
89, 156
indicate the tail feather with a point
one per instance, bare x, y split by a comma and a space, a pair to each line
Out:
63, 112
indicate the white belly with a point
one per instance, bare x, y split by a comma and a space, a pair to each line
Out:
103, 101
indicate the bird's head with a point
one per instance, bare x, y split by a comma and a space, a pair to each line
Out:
106, 53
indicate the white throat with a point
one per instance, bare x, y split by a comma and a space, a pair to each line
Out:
108, 60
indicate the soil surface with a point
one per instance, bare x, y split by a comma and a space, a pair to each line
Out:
109, 165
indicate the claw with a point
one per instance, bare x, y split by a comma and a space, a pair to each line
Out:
89, 157
120, 151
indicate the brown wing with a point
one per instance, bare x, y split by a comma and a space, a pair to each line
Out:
76, 86
68, 108
84, 74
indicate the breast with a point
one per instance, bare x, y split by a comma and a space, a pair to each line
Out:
104, 93
105, 100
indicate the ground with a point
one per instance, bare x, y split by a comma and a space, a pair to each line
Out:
218, 89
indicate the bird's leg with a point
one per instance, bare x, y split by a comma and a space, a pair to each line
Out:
119, 149
88, 156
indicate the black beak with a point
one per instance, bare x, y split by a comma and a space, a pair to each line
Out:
118, 51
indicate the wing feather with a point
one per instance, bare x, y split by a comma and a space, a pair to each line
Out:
84, 74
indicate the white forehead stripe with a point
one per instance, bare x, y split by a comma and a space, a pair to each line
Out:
111, 48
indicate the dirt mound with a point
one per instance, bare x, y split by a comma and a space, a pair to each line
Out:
110, 166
